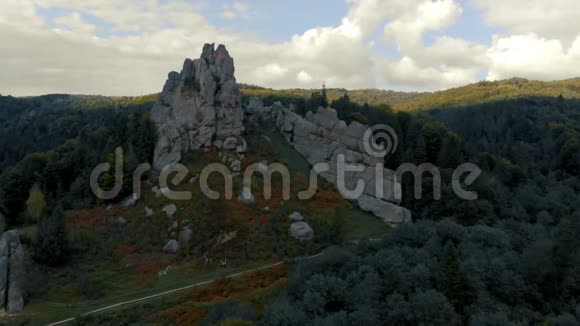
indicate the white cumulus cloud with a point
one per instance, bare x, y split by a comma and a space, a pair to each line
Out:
148, 38
533, 57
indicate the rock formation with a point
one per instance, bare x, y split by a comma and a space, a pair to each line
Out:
12, 272
199, 107
320, 138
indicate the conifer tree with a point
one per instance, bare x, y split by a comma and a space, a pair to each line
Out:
51, 246
452, 280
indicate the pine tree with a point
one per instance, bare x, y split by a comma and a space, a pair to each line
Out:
324, 99
452, 280
450, 155
415, 147
51, 246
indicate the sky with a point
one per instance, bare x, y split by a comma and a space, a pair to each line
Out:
127, 47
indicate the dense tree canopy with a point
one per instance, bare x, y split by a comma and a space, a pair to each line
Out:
508, 258
56, 141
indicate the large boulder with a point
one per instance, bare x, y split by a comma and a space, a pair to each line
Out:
185, 235
12, 273
301, 231
296, 217
246, 196
170, 210
15, 301
130, 201
389, 213
172, 246
198, 107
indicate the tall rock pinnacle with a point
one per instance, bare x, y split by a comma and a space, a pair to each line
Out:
199, 107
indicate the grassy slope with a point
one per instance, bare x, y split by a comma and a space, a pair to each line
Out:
357, 223
129, 271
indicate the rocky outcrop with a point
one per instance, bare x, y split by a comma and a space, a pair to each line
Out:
301, 231
170, 210
199, 107
12, 272
172, 246
246, 197
321, 137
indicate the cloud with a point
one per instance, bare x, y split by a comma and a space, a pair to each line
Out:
541, 39
448, 62
77, 61
303, 77
270, 72
407, 74
75, 23
20, 14
236, 10
533, 57
116, 47
555, 19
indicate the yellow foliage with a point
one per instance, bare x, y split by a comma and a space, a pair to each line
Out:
36, 203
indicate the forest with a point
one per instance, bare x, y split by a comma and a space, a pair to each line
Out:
55, 141
511, 257
473, 94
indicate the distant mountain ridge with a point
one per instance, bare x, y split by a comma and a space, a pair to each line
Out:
481, 92
477, 93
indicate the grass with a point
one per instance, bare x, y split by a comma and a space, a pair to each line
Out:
122, 262
358, 224
47, 310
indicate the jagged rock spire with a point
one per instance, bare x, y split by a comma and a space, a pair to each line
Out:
199, 107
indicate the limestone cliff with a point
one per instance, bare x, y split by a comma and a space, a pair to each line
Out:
199, 107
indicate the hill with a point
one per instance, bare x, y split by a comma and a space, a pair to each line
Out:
472, 94
361, 96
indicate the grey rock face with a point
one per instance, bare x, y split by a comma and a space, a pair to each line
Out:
15, 302
387, 212
246, 196
230, 143
296, 217
185, 235
322, 138
12, 271
301, 231
199, 107
170, 210
130, 201
171, 247
236, 165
